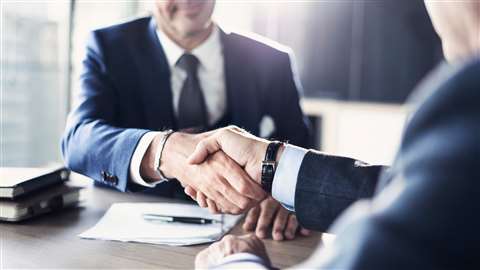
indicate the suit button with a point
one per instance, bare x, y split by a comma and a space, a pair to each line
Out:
114, 180
104, 176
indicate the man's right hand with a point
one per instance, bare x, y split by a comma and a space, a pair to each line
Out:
219, 177
244, 148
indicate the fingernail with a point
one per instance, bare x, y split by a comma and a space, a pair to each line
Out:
278, 237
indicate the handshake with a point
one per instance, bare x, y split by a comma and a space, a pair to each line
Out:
221, 170
239, 182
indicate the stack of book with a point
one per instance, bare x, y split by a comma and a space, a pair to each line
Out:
29, 192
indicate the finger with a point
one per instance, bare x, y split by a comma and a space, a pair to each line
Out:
212, 207
291, 227
279, 224
190, 192
201, 200
251, 219
221, 204
305, 232
215, 254
208, 191
265, 220
236, 198
203, 149
237, 177
226, 207
241, 181
201, 260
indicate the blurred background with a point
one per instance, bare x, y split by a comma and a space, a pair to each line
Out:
358, 62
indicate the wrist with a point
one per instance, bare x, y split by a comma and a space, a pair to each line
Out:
269, 165
280, 152
258, 157
255, 166
177, 149
147, 167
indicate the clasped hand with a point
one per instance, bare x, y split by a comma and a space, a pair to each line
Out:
218, 177
245, 149
248, 152
221, 170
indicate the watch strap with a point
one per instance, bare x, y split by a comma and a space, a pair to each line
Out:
269, 165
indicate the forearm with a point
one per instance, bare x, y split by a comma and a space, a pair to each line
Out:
318, 187
100, 151
327, 185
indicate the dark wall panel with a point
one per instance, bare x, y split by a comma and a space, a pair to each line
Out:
358, 50
400, 47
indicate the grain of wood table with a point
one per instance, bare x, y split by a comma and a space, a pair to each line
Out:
51, 241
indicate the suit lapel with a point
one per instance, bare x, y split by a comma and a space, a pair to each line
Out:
155, 78
242, 101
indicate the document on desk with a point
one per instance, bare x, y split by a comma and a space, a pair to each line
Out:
125, 222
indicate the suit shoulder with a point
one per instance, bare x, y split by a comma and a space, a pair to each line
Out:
255, 43
460, 85
127, 28
468, 74
450, 93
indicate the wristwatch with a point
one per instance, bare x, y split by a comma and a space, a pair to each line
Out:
269, 165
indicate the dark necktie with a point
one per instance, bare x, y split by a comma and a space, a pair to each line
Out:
192, 111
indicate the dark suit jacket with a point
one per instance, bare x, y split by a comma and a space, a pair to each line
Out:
125, 92
425, 212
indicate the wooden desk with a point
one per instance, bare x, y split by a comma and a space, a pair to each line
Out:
51, 241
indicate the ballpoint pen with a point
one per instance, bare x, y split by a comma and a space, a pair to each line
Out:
188, 220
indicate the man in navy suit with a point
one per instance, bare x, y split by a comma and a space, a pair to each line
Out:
174, 71
422, 213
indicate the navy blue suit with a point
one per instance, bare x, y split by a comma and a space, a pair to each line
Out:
125, 91
423, 212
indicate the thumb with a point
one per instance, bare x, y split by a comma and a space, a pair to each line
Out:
203, 149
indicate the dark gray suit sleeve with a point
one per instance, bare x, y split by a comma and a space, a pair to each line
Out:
427, 216
327, 185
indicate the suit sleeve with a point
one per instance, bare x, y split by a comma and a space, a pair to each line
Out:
290, 122
92, 144
327, 185
427, 216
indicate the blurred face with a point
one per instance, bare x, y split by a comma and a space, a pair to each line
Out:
184, 18
458, 25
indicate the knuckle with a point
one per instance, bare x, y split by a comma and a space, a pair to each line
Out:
293, 219
228, 238
243, 188
236, 211
223, 188
244, 205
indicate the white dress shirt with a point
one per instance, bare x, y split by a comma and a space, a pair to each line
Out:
211, 75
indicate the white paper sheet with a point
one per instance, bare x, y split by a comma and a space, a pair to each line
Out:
124, 222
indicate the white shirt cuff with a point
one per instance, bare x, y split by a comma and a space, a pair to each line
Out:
137, 157
285, 179
241, 261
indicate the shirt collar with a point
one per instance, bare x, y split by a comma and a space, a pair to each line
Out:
208, 49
